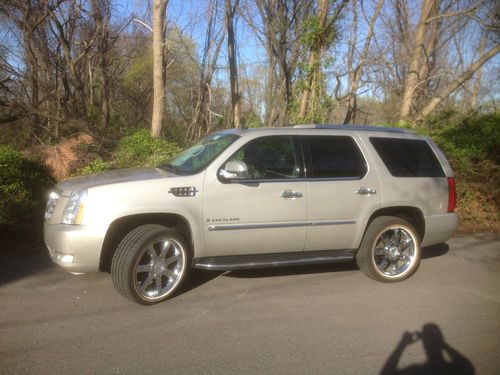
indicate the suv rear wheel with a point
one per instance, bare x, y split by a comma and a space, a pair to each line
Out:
390, 250
150, 264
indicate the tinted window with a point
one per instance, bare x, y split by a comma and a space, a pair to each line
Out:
334, 157
408, 157
197, 157
269, 158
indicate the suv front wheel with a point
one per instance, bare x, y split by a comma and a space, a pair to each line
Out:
390, 250
150, 264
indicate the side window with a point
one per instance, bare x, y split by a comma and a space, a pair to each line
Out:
269, 158
408, 157
334, 157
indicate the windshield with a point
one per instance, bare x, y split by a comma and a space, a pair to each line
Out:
199, 156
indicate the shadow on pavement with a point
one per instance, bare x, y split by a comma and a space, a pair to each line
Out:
435, 251
427, 252
15, 266
294, 270
441, 357
197, 278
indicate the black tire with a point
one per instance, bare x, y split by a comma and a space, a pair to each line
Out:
398, 259
150, 254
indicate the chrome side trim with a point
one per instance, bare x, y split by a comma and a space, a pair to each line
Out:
212, 228
257, 226
331, 222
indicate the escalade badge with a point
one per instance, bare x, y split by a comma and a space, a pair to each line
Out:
223, 219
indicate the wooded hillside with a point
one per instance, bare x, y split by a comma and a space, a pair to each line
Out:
84, 82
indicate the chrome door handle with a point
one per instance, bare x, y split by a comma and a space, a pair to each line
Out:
366, 191
291, 194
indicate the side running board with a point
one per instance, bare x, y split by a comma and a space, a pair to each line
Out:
254, 261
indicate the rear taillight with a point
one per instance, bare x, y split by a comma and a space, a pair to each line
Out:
452, 194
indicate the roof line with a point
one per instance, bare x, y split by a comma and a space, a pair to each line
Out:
352, 127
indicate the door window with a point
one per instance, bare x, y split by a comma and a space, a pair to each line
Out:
334, 157
269, 158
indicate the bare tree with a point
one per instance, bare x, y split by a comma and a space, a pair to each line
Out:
282, 27
412, 79
472, 102
355, 72
458, 81
102, 14
322, 37
419, 62
201, 121
159, 66
233, 68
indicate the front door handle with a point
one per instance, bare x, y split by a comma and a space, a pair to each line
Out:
366, 191
291, 194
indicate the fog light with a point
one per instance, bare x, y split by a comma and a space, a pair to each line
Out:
65, 258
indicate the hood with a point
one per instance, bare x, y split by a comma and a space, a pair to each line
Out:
113, 176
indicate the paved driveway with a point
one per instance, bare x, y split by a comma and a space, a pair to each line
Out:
313, 320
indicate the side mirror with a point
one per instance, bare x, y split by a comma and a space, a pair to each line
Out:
234, 170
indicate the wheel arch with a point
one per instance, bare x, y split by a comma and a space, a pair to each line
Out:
119, 228
411, 214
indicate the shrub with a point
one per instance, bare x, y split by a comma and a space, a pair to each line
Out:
140, 149
95, 166
470, 141
23, 190
471, 144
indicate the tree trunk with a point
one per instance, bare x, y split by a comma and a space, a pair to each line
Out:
412, 79
314, 58
233, 69
477, 83
159, 74
307, 87
356, 74
101, 10
435, 101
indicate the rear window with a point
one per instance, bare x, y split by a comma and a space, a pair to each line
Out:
334, 157
408, 157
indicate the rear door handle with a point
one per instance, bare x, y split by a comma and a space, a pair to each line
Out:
366, 191
291, 194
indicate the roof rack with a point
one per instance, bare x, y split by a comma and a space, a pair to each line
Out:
352, 127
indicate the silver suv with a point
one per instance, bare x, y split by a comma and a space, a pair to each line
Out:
254, 198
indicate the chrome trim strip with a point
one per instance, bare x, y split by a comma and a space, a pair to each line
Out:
212, 228
331, 222
257, 226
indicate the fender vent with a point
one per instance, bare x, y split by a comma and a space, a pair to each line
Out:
184, 191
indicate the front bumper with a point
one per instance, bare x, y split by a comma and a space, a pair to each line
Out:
74, 247
439, 228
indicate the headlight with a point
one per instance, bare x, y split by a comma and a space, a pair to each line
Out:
73, 211
51, 205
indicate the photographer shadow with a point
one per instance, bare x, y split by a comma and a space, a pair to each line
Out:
441, 357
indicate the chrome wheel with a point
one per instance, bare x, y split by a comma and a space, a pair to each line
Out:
159, 268
395, 251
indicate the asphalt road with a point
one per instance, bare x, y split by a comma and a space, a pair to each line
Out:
313, 320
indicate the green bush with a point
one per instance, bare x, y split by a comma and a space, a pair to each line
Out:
23, 190
140, 149
471, 144
95, 166
469, 140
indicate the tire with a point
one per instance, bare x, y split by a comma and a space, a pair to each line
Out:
150, 264
390, 250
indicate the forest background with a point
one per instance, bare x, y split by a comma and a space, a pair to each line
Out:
88, 85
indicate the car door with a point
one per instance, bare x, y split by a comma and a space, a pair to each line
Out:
343, 190
266, 211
